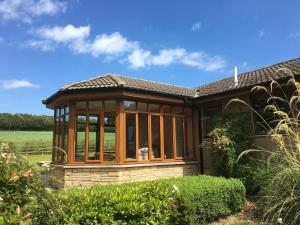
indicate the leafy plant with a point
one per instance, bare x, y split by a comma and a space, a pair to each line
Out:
186, 200
278, 199
19, 187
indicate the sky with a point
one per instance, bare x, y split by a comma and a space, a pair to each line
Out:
45, 44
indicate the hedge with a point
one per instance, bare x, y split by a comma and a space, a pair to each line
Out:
186, 200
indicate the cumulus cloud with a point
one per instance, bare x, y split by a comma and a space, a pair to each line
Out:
196, 26
26, 10
117, 46
14, 84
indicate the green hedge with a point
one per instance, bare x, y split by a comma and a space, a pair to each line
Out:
187, 200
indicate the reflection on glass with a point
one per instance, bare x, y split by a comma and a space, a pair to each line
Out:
143, 136
130, 136
155, 131
80, 139
94, 138
109, 137
179, 137
129, 105
168, 137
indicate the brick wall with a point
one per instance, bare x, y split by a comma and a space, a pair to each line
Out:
89, 175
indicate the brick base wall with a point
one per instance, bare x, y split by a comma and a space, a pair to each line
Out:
89, 175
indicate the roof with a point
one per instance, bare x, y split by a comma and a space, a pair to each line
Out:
252, 78
108, 81
246, 80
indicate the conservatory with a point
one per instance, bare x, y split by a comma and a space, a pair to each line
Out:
113, 129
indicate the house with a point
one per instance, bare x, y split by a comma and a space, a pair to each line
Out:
114, 129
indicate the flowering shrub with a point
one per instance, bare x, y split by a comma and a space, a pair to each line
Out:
223, 152
18, 186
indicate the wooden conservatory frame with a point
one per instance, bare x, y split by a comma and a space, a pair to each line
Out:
66, 112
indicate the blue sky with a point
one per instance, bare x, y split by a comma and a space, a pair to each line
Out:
45, 44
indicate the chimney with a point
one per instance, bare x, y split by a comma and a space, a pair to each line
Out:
236, 81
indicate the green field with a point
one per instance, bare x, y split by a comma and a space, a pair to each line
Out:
28, 142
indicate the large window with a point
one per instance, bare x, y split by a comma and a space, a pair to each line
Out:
154, 131
95, 131
61, 131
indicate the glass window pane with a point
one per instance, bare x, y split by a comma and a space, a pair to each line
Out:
155, 131
168, 137
130, 136
56, 112
177, 110
179, 137
129, 105
61, 111
66, 109
110, 105
80, 139
61, 132
109, 137
81, 106
66, 131
154, 108
94, 138
95, 106
167, 109
142, 107
143, 136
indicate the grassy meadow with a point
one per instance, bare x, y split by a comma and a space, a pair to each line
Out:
25, 142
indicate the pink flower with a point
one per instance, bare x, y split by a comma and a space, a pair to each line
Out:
27, 173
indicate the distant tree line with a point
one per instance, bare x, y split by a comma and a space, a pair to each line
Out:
25, 122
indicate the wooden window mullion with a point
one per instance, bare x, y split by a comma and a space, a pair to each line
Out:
161, 127
174, 135
101, 133
149, 137
137, 136
87, 125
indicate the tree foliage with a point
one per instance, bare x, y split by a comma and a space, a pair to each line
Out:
25, 122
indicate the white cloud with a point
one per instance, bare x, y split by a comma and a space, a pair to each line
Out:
196, 26
203, 61
295, 34
26, 10
114, 43
13, 84
63, 34
168, 56
116, 46
261, 33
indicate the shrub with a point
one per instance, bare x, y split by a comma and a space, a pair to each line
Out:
186, 200
19, 187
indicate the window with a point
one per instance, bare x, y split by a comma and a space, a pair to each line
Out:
143, 136
142, 107
109, 105
61, 131
94, 138
154, 108
130, 136
80, 138
210, 114
109, 137
95, 106
179, 137
177, 110
168, 137
167, 109
129, 105
81, 106
155, 132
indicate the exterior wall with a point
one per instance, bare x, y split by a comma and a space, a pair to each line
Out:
89, 175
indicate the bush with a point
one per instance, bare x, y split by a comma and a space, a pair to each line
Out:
19, 186
186, 200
